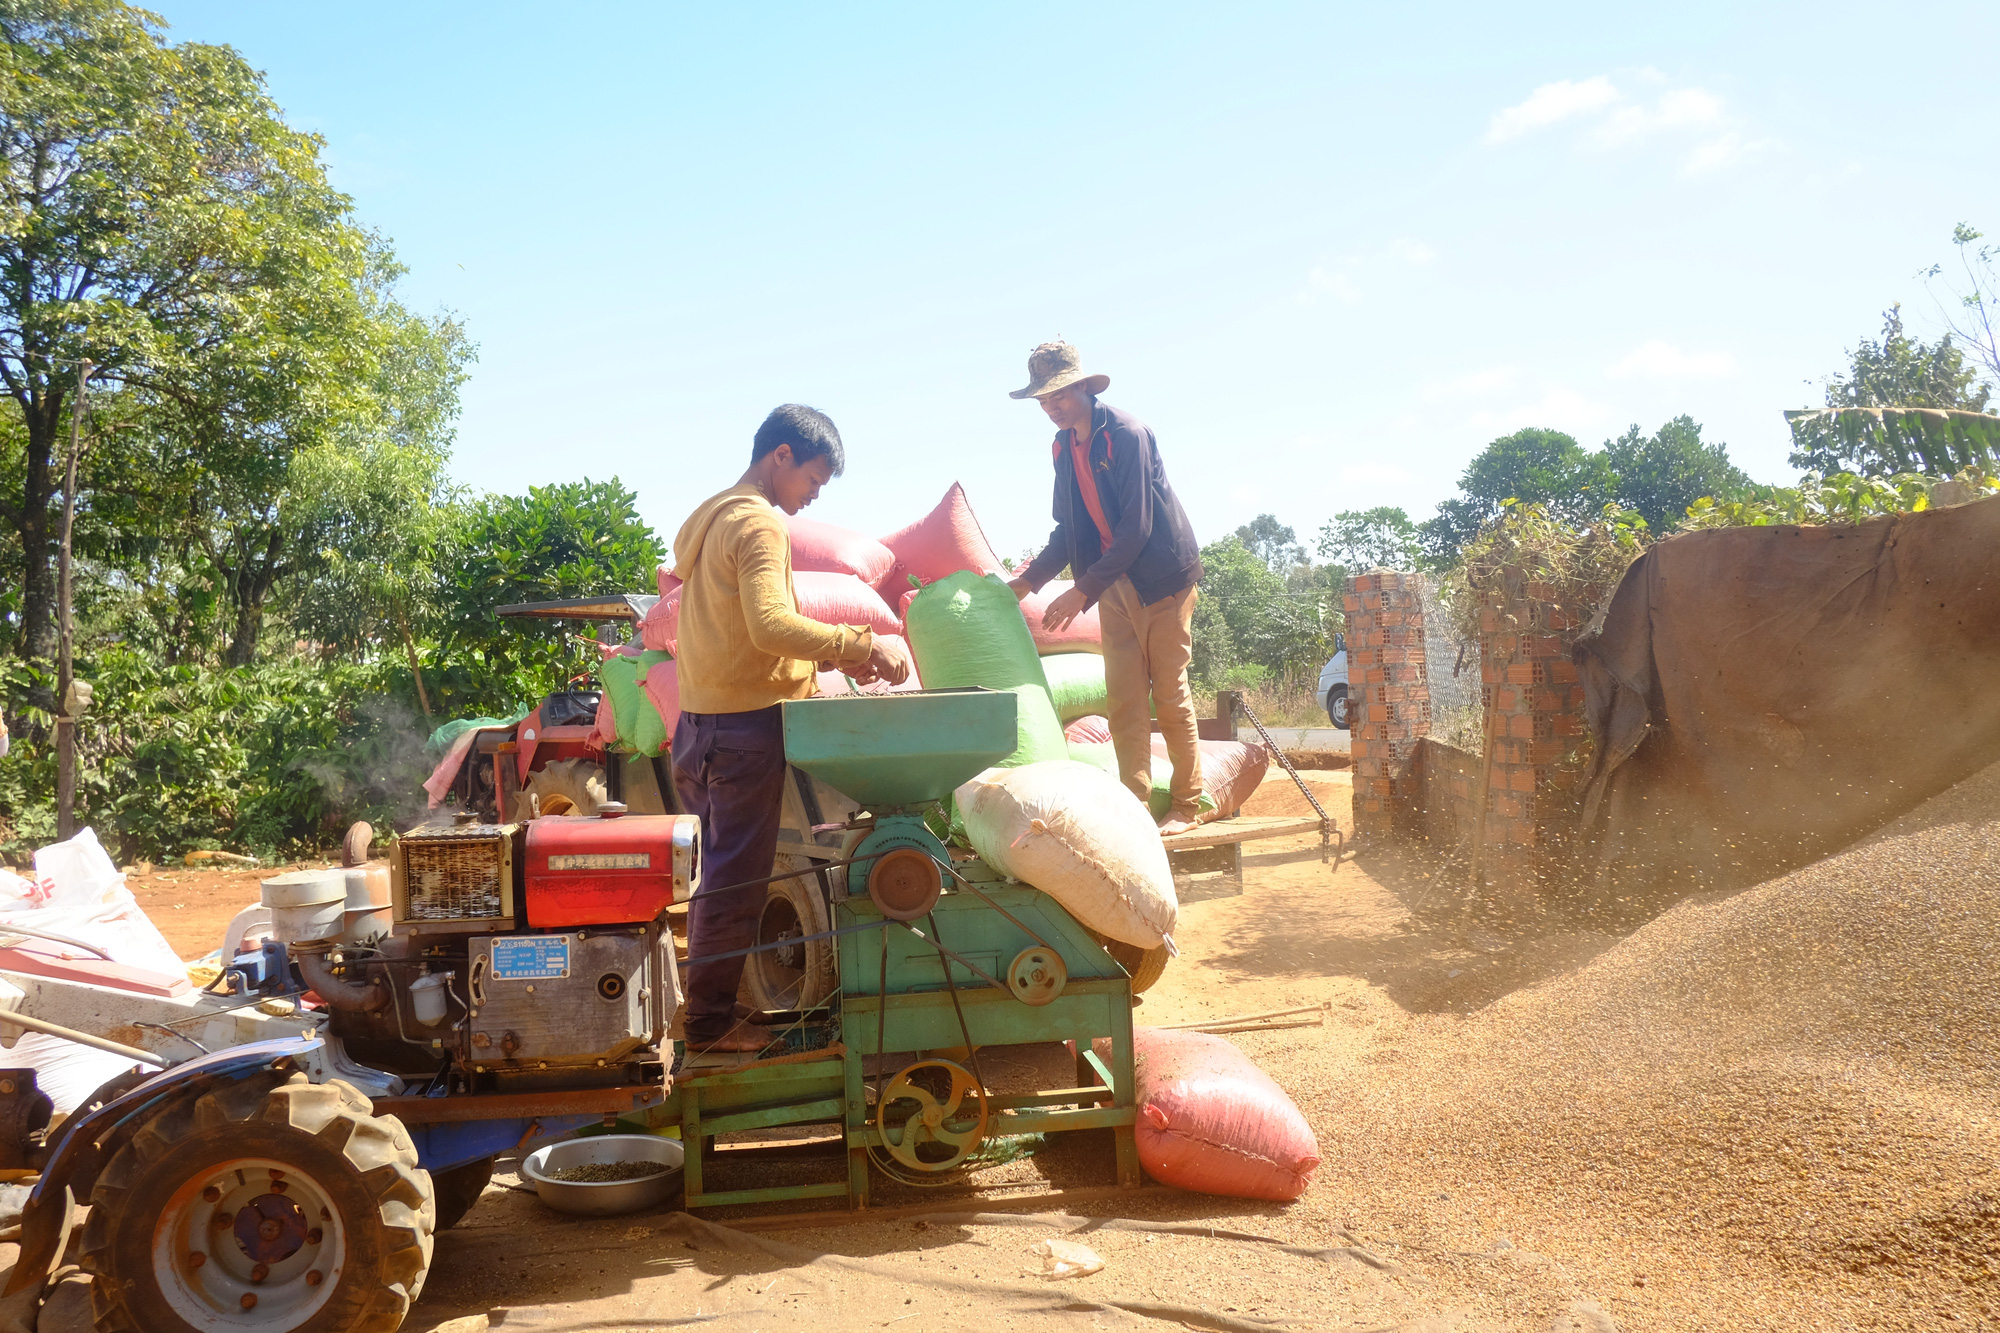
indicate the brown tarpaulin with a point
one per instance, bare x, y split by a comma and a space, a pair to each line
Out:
1763, 696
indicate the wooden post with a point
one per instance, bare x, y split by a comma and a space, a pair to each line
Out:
65, 626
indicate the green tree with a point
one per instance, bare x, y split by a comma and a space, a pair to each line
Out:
1534, 466
157, 219
1898, 371
570, 540
1361, 539
1272, 542
1661, 474
1248, 623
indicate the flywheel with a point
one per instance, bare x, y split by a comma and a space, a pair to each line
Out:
932, 1115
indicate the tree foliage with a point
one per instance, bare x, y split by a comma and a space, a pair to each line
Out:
1897, 371
1533, 466
1251, 623
1361, 539
1661, 474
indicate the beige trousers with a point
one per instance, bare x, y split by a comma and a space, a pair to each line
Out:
1146, 654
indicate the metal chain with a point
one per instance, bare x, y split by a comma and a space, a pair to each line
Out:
1325, 820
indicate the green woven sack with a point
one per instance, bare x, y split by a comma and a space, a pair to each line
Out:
639, 723
1076, 683
966, 629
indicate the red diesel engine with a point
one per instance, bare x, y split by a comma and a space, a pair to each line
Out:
609, 869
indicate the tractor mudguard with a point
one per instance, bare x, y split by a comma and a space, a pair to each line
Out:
89, 1141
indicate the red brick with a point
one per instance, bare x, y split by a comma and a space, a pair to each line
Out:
1563, 670
1520, 673
1521, 779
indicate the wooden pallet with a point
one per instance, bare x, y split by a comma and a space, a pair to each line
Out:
1217, 847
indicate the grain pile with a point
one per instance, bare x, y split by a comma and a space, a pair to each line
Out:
1775, 1110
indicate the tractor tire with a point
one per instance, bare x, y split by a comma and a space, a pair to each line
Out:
1146, 966
272, 1204
799, 976
576, 785
458, 1188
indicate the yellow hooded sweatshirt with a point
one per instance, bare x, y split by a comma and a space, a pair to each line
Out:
742, 643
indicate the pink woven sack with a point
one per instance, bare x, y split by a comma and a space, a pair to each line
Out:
833, 599
1091, 730
942, 542
1082, 635
823, 548
1230, 771
662, 685
1213, 1122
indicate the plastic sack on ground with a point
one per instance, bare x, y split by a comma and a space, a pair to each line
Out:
1076, 834
824, 548
1085, 634
942, 542
965, 630
1213, 1122
1089, 730
1103, 756
1230, 770
1076, 683
640, 724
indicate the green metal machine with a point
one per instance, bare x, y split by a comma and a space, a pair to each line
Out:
941, 961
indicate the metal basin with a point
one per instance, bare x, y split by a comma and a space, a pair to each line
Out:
610, 1197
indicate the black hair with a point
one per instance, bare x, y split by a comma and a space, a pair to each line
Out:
809, 431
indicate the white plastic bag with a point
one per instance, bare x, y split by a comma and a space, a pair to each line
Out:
78, 872
1075, 833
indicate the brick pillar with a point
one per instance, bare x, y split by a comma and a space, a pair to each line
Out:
1536, 731
1389, 704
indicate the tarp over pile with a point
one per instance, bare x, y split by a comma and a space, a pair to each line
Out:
1761, 696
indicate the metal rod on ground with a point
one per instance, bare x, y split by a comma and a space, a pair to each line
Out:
1325, 820
1324, 1006
33, 1024
65, 627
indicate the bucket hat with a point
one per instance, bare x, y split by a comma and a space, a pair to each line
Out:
1055, 366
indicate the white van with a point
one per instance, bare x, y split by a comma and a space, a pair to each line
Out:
1333, 683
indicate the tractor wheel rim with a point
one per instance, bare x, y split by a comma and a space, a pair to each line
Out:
253, 1230
783, 971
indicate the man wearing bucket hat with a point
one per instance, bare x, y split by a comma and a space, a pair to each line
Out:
1130, 548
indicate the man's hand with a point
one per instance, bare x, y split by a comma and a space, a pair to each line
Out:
1019, 587
1064, 609
885, 662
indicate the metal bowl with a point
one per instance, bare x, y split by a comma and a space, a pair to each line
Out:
605, 1198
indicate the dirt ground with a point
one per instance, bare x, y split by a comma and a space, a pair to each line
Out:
1741, 1116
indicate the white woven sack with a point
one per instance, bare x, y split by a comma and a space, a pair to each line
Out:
1075, 833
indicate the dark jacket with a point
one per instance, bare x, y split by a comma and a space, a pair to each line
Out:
1152, 542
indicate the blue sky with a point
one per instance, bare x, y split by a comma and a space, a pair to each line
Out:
1327, 252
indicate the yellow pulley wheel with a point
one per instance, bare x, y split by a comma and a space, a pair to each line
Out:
1037, 975
925, 1118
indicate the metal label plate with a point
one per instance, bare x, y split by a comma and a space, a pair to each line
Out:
601, 861
530, 957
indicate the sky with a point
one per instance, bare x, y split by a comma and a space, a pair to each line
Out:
1327, 252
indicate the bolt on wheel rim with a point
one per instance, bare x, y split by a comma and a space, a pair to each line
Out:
252, 1243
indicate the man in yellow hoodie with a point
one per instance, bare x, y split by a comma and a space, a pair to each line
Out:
744, 649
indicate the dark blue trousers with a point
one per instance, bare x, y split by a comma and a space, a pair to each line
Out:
729, 769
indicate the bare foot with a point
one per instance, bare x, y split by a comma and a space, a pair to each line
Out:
1171, 825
